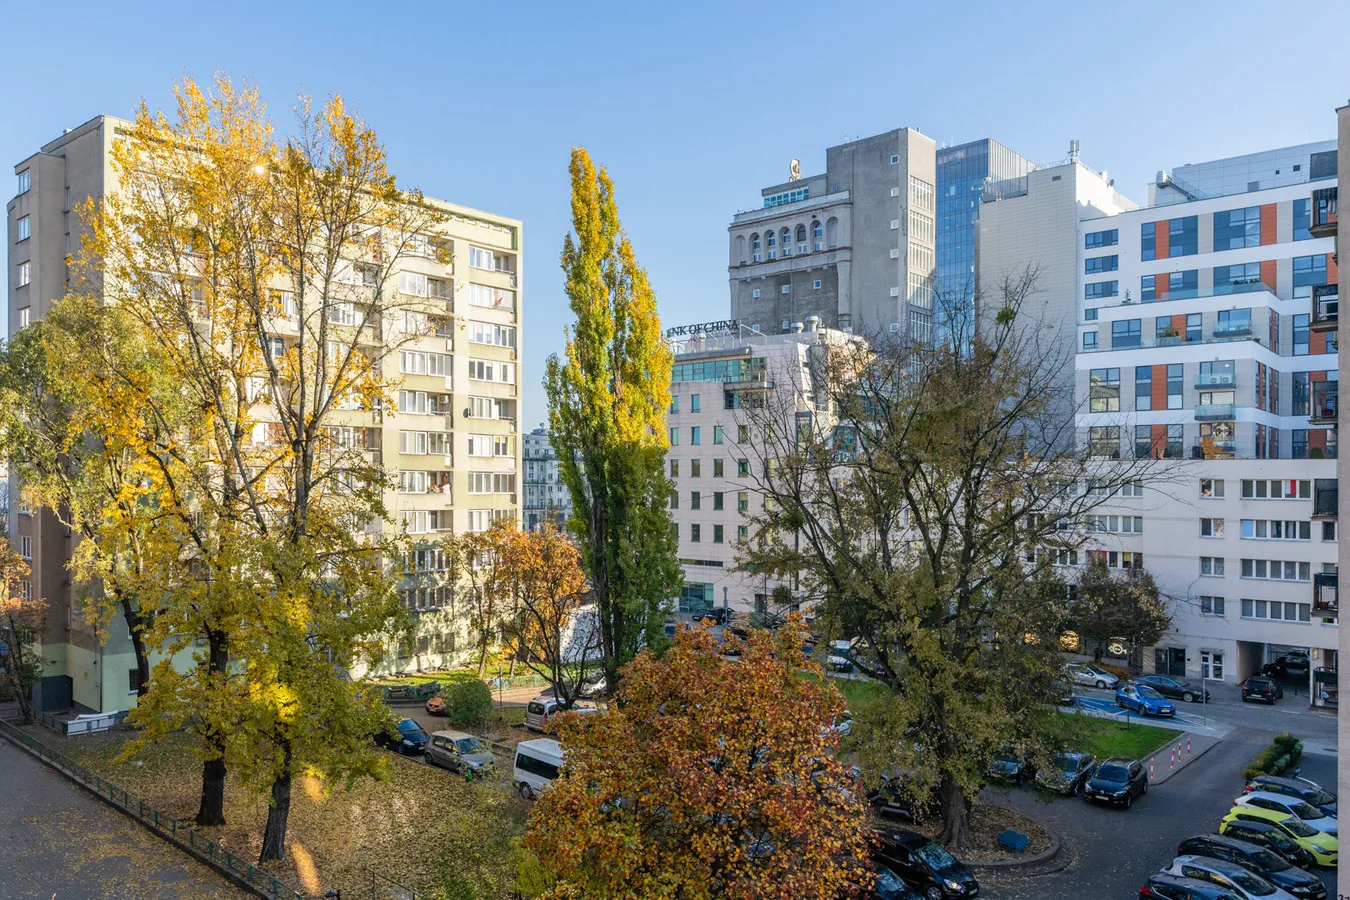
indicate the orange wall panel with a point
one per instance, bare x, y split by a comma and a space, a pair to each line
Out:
1161, 238
1158, 388
1268, 214
1268, 273
1157, 434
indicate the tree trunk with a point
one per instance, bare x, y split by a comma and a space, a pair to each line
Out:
133, 618
211, 811
274, 837
955, 817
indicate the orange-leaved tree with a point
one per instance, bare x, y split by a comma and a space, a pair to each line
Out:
708, 778
22, 618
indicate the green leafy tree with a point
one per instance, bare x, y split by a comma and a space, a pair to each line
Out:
607, 401
1128, 607
925, 512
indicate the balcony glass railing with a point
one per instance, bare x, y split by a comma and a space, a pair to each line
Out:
1135, 343
1232, 329
1326, 500
1326, 305
1216, 379
1325, 397
1324, 211
1324, 593
1208, 412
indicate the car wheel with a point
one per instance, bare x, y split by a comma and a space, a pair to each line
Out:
1120, 703
1145, 790
426, 758
1101, 684
933, 893
526, 792
1188, 697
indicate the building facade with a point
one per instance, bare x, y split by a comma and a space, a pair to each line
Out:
1197, 346
717, 449
547, 499
451, 450
854, 246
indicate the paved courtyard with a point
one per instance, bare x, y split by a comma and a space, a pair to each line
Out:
57, 842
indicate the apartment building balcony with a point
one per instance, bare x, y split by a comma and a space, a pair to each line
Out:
749, 381
1232, 329
1325, 307
1325, 397
1216, 380
1145, 342
1324, 593
1326, 498
1324, 219
1214, 412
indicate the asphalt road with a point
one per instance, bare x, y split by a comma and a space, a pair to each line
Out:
1107, 854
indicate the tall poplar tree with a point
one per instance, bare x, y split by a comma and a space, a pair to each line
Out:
607, 399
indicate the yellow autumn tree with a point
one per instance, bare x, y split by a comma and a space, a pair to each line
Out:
22, 620
254, 279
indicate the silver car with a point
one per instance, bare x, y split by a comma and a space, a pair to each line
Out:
459, 752
1089, 674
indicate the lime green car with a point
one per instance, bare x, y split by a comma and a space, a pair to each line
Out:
1320, 844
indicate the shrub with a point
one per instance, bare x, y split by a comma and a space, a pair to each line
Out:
1282, 754
468, 702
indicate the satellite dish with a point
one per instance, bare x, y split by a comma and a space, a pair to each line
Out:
795, 170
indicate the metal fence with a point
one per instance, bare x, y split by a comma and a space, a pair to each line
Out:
180, 833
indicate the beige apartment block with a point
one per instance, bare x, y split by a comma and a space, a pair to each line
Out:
452, 449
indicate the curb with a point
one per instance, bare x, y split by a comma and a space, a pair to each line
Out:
1194, 758
1006, 865
202, 859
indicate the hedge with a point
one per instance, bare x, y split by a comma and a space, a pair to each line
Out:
467, 702
1283, 754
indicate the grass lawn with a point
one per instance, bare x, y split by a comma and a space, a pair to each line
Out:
859, 694
418, 825
1104, 738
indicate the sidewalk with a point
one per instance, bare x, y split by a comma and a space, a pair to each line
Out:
1178, 754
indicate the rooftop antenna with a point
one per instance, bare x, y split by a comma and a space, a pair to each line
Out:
1073, 150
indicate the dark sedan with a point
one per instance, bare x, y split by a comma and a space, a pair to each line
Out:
924, 865
1261, 687
1067, 773
1268, 834
1008, 766
407, 738
1256, 858
1174, 689
1118, 781
1306, 791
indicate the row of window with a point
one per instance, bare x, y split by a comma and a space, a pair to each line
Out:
718, 468
696, 532
1229, 323
1308, 271
772, 241
1273, 610
718, 500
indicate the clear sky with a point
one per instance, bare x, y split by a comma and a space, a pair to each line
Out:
693, 106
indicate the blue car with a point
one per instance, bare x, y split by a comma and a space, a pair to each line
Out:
1144, 700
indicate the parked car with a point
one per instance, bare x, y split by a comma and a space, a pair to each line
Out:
1166, 886
1117, 781
594, 687
1245, 883
1174, 688
541, 710
1256, 858
1306, 791
890, 802
459, 752
1296, 661
1270, 835
716, 616
535, 766
842, 726
924, 865
1008, 766
886, 885
1283, 805
1090, 674
436, 706
408, 738
1144, 700
1261, 687
1323, 846
1067, 772
840, 657
1064, 694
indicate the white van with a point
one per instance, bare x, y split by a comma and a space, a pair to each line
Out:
536, 765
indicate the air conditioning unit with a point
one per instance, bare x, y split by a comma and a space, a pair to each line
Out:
894, 328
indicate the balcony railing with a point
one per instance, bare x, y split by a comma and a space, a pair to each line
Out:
1232, 329
1323, 212
1216, 379
1133, 343
1326, 304
1325, 397
1324, 593
1326, 498
1209, 412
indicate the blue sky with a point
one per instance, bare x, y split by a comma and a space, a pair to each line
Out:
693, 106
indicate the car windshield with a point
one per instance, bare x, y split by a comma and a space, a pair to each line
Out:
1114, 774
1303, 810
1298, 828
1321, 797
1269, 862
1259, 683
888, 884
1095, 670
1067, 762
408, 726
1252, 884
935, 856
469, 745
1146, 691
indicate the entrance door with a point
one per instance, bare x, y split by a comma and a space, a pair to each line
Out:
1211, 665
1173, 662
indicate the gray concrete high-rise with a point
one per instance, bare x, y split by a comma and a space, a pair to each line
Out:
854, 246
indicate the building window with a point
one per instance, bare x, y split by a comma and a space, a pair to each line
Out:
25, 316
1183, 236
1148, 240
674, 499
755, 293
1276, 530
743, 468
25, 229
718, 502
1303, 219
717, 534
1309, 271
1276, 570
1182, 285
1302, 390
1104, 440
772, 240
695, 402
1090, 315
25, 546
25, 181
1238, 279
1211, 528
717, 467
895, 160
718, 434
695, 500
1105, 390
1233, 323
1089, 340
817, 238
1276, 610
1148, 288
1277, 489
1096, 265
1175, 386
1237, 228
1097, 239
674, 468
1328, 531
1099, 290
1125, 333
695, 468
742, 532
674, 436
1301, 336
675, 403
25, 273
815, 285
695, 434
755, 253
786, 239
1211, 606
787, 289
1211, 566
1143, 388
1211, 488
1298, 446
1143, 441
695, 533
743, 501
742, 433
801, 247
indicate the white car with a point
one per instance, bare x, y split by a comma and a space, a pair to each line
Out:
1091, 675
1291, 806
1228, 875
841, 658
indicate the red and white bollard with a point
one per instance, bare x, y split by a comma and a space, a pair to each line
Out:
1150, 767
1188, 746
